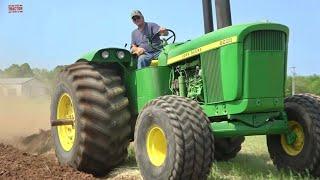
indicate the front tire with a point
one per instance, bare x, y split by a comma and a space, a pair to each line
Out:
173, 140
93, 97
303, 154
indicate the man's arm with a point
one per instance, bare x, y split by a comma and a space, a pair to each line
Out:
134, 48
156, 29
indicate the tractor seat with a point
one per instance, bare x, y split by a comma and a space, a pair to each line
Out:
154, 62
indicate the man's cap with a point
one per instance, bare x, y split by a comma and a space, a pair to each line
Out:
136, 13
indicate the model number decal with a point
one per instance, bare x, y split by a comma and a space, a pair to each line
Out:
226, 41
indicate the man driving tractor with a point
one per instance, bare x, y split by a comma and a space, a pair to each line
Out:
143, 36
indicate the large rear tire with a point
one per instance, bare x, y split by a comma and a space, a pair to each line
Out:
93, 98
227, 148
303, 154
173, 140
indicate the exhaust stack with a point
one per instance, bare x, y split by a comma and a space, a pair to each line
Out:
223, 13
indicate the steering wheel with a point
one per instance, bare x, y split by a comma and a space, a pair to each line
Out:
164, 41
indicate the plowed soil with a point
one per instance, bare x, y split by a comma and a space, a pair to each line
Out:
16, 164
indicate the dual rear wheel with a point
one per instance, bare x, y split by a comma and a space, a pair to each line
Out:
90, 118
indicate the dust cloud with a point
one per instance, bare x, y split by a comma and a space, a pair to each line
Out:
20, 117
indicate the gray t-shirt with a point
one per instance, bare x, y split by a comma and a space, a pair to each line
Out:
140, 38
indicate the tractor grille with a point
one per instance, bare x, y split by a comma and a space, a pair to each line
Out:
210, 64
265, 40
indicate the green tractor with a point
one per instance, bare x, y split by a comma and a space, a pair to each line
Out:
193, 106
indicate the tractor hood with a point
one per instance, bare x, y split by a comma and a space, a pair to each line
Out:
216, 39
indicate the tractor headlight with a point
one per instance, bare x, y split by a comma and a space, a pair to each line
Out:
105, 54
120, 54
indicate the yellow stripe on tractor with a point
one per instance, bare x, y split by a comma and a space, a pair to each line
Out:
202, 49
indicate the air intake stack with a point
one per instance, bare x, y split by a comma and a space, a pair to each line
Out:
223, 14
207, 16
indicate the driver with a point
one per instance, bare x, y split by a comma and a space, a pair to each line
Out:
141, 36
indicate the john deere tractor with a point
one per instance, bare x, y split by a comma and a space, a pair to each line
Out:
193, 106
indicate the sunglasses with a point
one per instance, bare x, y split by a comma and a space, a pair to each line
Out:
134, 18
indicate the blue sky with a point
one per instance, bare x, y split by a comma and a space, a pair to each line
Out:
51, 33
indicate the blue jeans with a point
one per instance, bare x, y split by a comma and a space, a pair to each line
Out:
144, 60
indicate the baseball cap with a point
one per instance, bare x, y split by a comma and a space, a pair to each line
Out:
136, 13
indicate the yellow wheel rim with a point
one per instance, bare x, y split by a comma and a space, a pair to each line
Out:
156, 145
65, 111
295, 148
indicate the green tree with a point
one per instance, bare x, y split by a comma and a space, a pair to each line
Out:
25, 70
304, 84
315, 86
12, 72
288, 88
16, 71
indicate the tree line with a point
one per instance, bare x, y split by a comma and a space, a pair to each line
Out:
48, 77
303, 84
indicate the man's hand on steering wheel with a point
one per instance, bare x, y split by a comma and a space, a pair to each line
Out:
163, 31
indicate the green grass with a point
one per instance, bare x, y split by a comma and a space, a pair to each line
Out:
252, 162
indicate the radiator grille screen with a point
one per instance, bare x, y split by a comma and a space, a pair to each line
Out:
266, 40
210, 62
